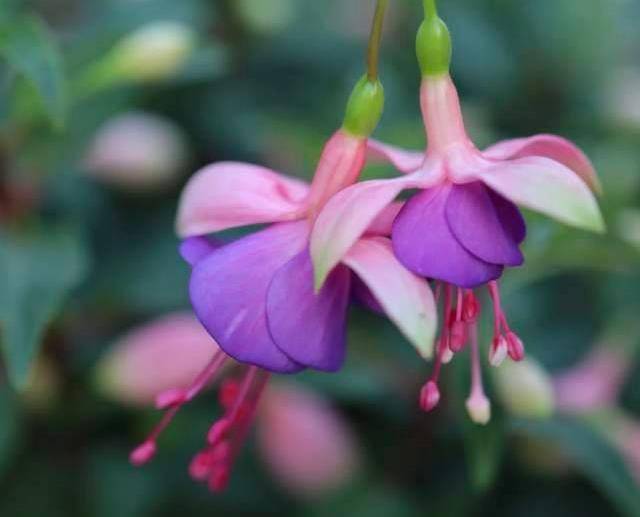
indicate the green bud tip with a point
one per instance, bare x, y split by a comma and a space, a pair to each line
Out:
364, 108
433, 46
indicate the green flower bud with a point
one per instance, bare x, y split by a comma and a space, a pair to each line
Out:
433, 46
364, 108
525, 389
153, 52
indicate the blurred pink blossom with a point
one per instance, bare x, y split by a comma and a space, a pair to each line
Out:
307, 445
163, 354
592, 384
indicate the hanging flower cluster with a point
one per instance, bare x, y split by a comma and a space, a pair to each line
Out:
276, 300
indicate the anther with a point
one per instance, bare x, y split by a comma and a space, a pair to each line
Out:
429, 396
515, 347
498, 350
143, 453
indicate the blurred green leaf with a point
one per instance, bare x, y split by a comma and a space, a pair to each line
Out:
10, 426
29, 47
592, 454
41, 268
484, 445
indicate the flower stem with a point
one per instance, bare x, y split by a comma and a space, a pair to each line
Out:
373, 51
430, 10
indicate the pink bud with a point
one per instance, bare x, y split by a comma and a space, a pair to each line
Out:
429, 396
594, 383
143, 453
307, 445
137, 152
165, 354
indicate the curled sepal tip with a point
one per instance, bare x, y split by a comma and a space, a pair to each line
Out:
433, 46
364, 108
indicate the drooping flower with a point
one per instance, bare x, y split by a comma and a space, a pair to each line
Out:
256, 295
462, 227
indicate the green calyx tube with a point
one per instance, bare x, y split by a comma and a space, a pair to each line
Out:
364, 108
433, 43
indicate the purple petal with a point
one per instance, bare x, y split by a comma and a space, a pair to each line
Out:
194, 249
228, 291
424, 243
510, 216
474, 221
309, 327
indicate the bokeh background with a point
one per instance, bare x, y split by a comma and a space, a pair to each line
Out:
107, 107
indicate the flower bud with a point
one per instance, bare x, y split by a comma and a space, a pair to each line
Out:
306, 444
364, 108
433, 46
153, 52
525, 389
137, 151
165, 354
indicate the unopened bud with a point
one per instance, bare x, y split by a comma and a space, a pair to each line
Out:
137, 152
153, 52
525, 389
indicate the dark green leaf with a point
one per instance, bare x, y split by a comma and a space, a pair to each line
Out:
30, 49
592, 454
41, 268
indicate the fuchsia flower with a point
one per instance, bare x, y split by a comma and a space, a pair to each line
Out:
256, 296
462, 227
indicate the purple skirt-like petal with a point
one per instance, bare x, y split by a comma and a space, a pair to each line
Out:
424, 243
480, 228
228, 290
309, 327
194, 249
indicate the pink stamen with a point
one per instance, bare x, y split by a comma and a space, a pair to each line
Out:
179, 396
227, 434
498, 315
143, 453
